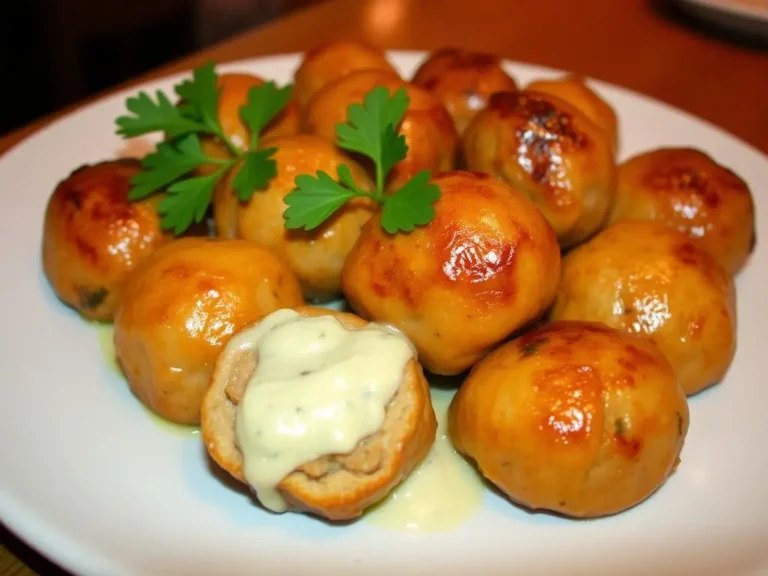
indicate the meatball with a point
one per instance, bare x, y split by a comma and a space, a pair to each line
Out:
316, 257
646, 278
334, 486
333, 60
483, 267
182, 305
688, 190
574, 417
234, 94
552, 152
574, 90
463, 81
428, 128
93, 236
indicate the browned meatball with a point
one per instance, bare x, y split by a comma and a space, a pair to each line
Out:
463, 81
646, 278
93, 236
483, 267
688, 190
334, 486
574, 417
182, 306
574, 90
315, 257
550, 150
427, 127
333, 60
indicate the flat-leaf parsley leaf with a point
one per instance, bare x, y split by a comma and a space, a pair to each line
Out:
170, 166
371, 130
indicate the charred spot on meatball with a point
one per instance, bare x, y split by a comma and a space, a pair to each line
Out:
92, 298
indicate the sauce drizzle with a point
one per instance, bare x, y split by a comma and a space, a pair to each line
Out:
444, 491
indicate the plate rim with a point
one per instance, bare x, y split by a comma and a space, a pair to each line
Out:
395, 52
742, 11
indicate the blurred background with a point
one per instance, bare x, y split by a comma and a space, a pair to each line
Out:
54, 52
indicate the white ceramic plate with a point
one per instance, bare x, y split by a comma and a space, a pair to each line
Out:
749, 16
93, 482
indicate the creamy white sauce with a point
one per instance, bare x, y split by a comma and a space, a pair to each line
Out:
444, 491
318, 389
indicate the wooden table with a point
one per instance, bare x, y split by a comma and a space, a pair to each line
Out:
638, 44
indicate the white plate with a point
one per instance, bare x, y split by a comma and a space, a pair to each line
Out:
89, 479
750, 16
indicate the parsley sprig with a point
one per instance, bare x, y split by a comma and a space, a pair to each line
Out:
371, 130
169, 166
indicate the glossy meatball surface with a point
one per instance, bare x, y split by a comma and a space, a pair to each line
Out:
332, 61
182, 306
574, 90
646, 278
427, 127
233, 95
550, 150
463, 81
317, 256
688, 190
93, 236
484, 266
573, 417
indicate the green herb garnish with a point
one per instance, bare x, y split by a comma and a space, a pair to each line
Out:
173, 160
532, 347
371, 130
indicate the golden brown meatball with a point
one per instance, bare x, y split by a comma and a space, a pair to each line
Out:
574, 417
182, 305
574, 90
487, 264
315, 257
554, 153
688, 190
234, 94
463, 81
335, 486
646, 278
332, 61
428, 128
94, 236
